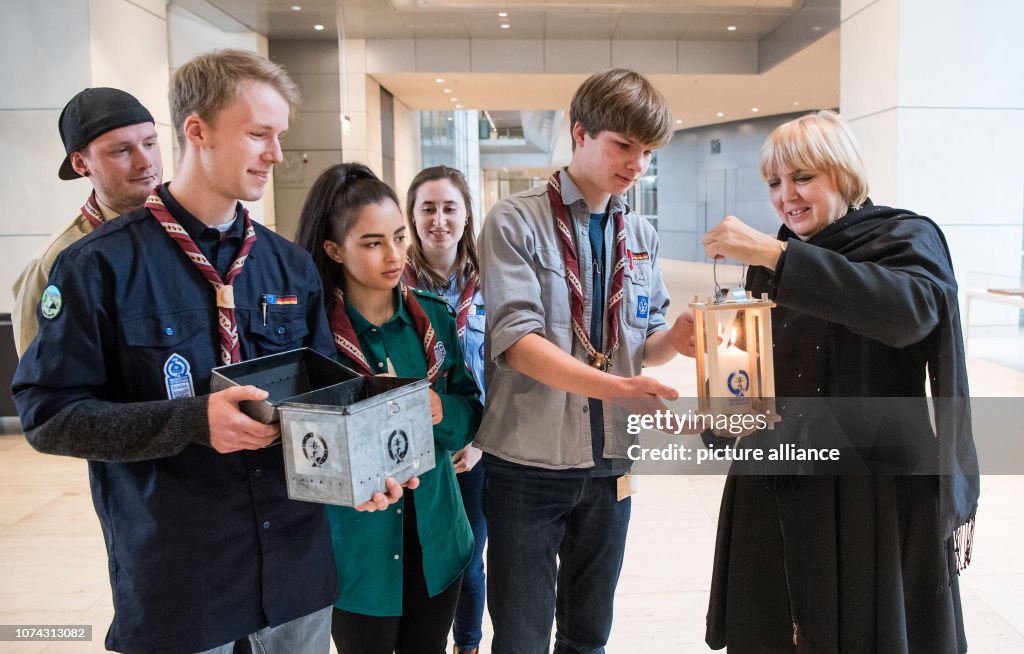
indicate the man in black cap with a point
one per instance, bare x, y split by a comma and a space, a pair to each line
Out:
110, 138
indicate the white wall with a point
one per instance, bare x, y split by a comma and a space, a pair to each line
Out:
51, 51
931, 89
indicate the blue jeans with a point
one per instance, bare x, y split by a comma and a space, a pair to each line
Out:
556, 549
470, 611
310, 634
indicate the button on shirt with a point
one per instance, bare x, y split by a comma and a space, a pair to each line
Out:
203, 547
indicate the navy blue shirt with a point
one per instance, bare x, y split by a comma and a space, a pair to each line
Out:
204, 547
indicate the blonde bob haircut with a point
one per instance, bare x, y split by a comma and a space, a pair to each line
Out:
623, 101
210, 82
820, 142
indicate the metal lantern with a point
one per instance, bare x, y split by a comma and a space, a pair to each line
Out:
735, 373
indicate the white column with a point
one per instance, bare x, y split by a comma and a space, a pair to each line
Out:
932, 90
52, 50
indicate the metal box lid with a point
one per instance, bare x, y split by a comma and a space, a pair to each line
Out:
283, 376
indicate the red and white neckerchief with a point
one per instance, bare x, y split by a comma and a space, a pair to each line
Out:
228, 327
597, 359
465, 297
91, 211
347, 342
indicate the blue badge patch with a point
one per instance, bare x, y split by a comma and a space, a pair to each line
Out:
642, 306
738, 383
51, 302
178, 377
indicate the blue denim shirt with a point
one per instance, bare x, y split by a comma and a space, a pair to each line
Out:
472, 340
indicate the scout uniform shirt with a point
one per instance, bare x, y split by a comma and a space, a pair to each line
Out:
368, 546
203, 547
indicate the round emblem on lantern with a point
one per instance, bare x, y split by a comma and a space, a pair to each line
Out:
398, 445
314, 448
738, 383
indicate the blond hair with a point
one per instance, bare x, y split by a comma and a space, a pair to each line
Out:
208, 83
822, 142
623, 101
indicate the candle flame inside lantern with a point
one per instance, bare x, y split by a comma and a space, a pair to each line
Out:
732, 337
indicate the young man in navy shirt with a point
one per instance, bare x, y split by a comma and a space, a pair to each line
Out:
204, 545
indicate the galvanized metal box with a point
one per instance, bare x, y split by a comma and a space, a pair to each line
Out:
283, 376
342, 442
342, 434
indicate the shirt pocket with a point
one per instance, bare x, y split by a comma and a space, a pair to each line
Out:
285, 328
554, 289
151, 342
636, 294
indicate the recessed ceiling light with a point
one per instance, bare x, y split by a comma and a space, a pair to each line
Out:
505, 26
439, 80
731, 28
719, 114
318, 28
679, 122
754, 109
503, 14
450, 118
296, 8
458, 106
454, 99
447, 90
796, 104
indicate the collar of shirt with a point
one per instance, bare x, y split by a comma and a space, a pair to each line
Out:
571, 195
361, 324
107, 213
197, 229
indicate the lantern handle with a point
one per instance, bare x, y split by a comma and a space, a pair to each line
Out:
721, 295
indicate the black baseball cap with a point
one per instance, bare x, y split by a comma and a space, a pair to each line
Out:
92, 113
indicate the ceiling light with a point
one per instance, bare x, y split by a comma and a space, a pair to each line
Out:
447, 90
719, 114
679, 122
731, 28
505, 26
502, 14
458, 106
318, 28
816, 28
439, 80
454, 99
754, 109
796, 104
296, 8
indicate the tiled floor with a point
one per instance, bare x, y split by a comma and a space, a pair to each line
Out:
53, 566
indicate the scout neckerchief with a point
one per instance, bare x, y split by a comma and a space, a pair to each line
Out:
465, 298
228, 328
348, 343
572, 275
91, 211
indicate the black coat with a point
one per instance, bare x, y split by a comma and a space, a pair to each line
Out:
855, 562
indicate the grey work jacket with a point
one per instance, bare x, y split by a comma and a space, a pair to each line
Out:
530, 423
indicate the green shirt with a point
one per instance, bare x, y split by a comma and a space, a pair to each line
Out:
368, 546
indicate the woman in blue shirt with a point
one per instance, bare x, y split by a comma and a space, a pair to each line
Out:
443, 260
398, 569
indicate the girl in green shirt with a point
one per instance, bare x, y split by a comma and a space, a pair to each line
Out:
398, 569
